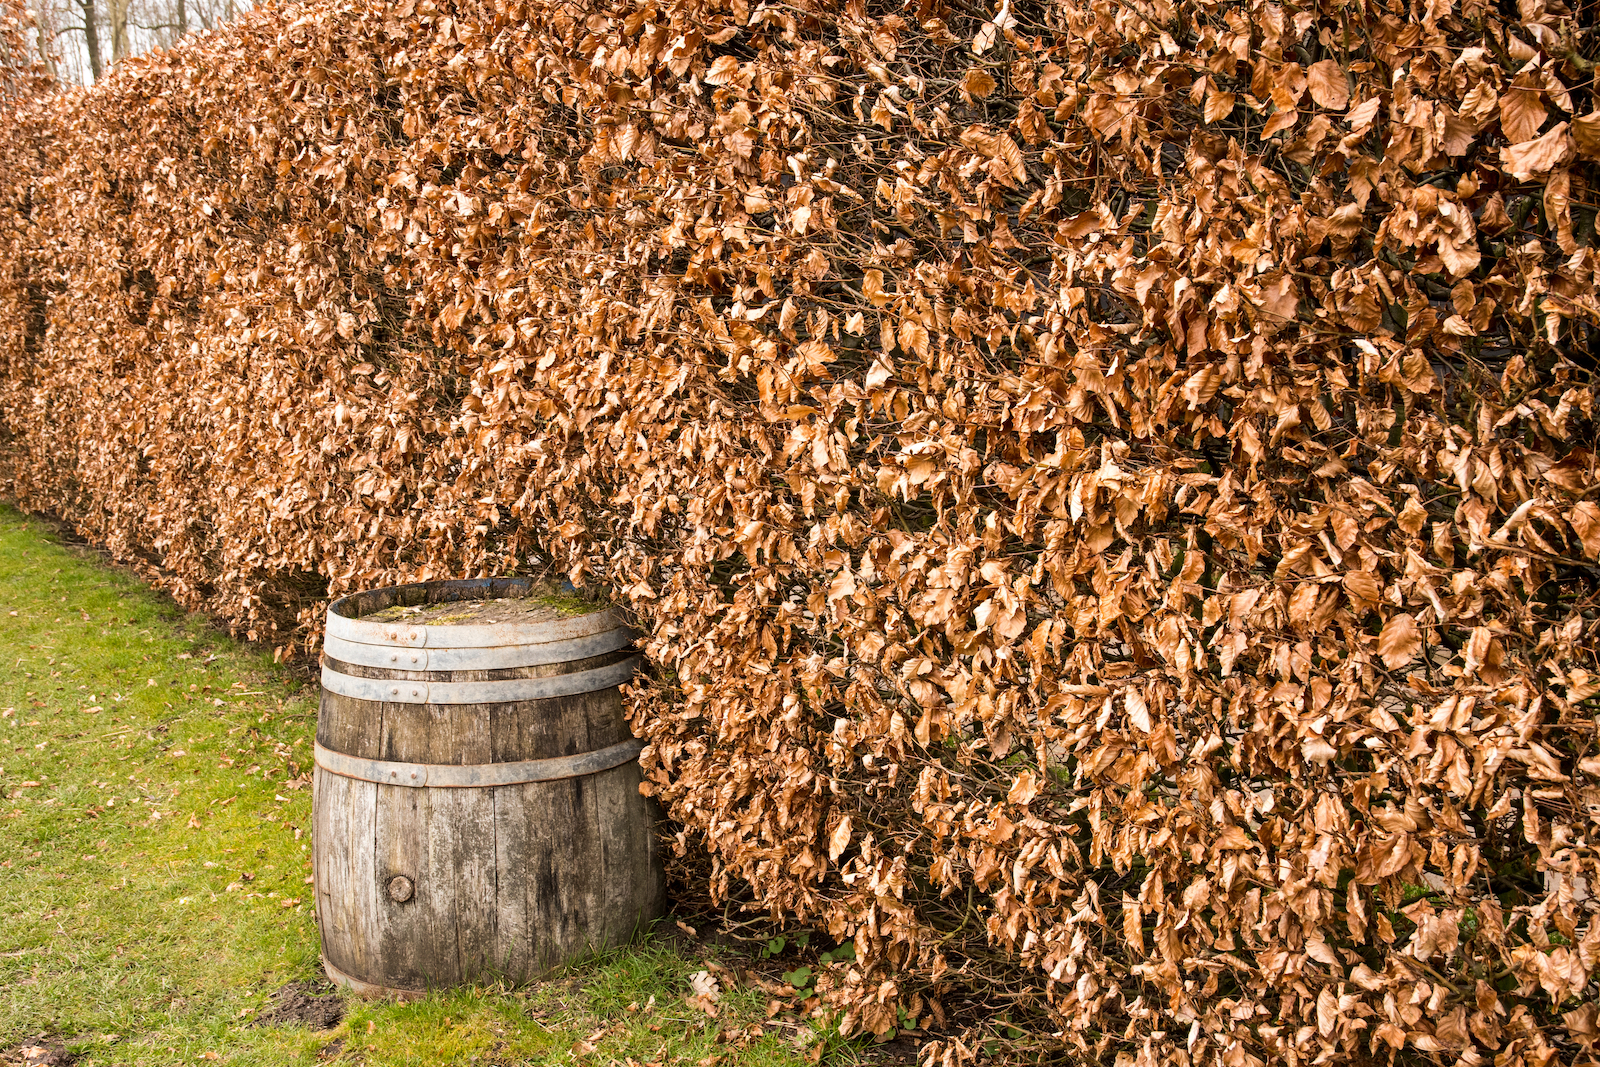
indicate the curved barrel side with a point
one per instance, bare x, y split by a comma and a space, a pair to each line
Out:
524, 845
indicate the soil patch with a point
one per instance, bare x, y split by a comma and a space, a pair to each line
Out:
903, 1049
39, 1051
310, 1004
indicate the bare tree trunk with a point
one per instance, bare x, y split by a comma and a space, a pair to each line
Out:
119, 30
91, 37
41, 23
183, 17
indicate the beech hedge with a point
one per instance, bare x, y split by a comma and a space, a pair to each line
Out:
1109, 490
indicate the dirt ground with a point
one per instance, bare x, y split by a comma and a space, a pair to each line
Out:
310, 1004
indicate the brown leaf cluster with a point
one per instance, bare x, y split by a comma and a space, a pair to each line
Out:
1110, 489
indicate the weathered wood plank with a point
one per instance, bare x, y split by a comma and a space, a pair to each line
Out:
515, 840
343, 816
402, 843
462, 736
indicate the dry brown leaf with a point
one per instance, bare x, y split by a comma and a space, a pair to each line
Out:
1585, 520
978, 82
1202, 385
872, 288
1412, 518
1219, 105
1459, 259
704, 992
1023, 789
839, 840
722, 71
1522, 112
984, 39
1363, 588
1539, 156
1586, 135
1400, 641
1330, 88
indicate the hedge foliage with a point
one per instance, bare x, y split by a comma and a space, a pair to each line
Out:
1109, 489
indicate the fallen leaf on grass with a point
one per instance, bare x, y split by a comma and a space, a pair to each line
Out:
705, 992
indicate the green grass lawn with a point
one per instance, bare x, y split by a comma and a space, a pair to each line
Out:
155, 865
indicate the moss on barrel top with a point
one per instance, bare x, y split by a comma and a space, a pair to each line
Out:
546, 602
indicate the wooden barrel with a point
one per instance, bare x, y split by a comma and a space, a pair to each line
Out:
476, 807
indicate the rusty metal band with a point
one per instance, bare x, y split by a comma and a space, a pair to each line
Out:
502, 691
404, 635
476, 776
492, 658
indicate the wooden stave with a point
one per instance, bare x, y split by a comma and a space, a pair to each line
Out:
544, 922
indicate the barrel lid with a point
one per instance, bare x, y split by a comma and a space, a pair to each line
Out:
345, 621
